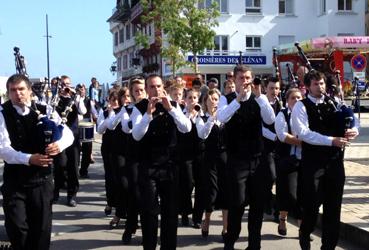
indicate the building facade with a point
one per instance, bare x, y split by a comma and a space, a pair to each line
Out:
252, 28
132, 59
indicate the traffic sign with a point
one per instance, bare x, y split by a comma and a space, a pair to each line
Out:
358, 62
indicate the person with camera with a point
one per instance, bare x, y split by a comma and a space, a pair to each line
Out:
90, 116
243, 113
69, 107
155, 123
28, 155
287, 158
315, 121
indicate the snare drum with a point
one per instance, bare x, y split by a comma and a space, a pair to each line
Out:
86, 131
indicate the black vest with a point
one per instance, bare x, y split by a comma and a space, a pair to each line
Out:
269, 145
107, 137
119, 138
215, 143
24, 137
189, 144
87, 103
244, 137
72, 117
159, 142
322, 119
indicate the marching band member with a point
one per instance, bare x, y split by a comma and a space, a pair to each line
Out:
27, 179
322, 169
155, 123
243, 113
213, 172
69, 106
288, 156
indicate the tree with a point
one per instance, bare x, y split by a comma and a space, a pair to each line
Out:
181, 27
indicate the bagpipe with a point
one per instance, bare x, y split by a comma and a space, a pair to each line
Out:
345, 114
47, 130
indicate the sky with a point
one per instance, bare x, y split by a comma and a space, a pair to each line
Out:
81, 43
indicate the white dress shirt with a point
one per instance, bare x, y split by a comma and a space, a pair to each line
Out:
121, 117
300, 125
10, 155
102, 123
141, 122
225, 111
281, 129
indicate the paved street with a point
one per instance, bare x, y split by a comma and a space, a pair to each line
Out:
86, 226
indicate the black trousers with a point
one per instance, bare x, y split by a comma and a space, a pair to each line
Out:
120, 184
68, 160
154, 182
288, 186
214, 181
186, 185
86, 150
108, 174
248, 185
28, 215
198, 206
133, 194
322, 185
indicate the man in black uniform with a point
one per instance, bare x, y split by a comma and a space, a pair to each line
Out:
89, 116
155, 122
69, 107
315, 122
243, 113
27, 187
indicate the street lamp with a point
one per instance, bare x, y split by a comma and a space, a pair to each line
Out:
113, 68
240, 59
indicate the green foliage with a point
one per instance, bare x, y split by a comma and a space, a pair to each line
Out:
186, 28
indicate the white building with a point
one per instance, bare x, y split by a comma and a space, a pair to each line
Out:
254, 27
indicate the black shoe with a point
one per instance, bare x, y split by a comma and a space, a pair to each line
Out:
107, 210
126, 237
185, 221
224, 235
304, 241
71, 202
228, 246
282, 231
84, 176
204, 233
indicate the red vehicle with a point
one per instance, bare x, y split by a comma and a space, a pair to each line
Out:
347, 54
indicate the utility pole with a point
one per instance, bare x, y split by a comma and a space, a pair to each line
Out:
47, 49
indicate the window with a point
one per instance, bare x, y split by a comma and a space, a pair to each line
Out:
344, 5
286, 39
128, 32
253, 43
119, 64
125, 61
286, 7
121, 35
131, 56
149, 28
116, 36
253, 7
220, 46
323, 7
134, 30
222, 5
